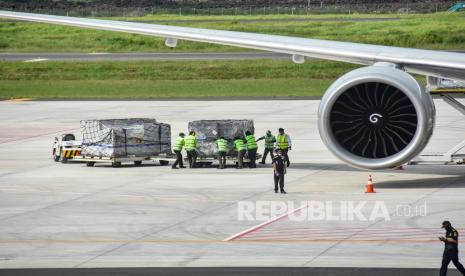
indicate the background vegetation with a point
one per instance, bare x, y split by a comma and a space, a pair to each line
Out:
258, 78
432, 31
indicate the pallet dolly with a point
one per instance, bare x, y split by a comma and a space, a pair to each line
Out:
451, 156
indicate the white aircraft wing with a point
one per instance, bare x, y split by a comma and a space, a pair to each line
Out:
426, 62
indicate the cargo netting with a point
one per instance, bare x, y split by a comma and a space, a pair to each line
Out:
125, 137
208, 131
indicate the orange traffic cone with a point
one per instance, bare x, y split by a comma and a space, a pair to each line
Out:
370, 188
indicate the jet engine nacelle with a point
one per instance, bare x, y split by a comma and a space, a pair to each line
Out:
376, 117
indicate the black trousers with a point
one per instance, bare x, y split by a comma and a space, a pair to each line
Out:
192, 157
451, 255
178, 159
265, 153
286, 156
240, 158
252, 153
279, 179
222, 159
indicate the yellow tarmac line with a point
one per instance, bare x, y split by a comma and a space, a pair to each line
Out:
20, 100
158, 197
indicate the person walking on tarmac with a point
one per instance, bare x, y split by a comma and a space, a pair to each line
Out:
270, 140
190, 144
241, 149
279, 170
451, 249
222, 145
251, 148
284, 143
178, 145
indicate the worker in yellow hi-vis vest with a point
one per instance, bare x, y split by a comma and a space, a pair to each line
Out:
284, 143
177, 148
190, 144
241, 149
223, 149
252, 147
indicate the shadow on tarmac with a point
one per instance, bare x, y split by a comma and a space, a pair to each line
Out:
408, 169
443, 182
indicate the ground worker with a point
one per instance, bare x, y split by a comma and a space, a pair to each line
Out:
178, 145
251, 148
222, 145
279, 170
451, 249
284, 143
190, 144
270, 140
239, 145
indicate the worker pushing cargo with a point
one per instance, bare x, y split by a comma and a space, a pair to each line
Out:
240, 147
177, 148
208, 134
284, 143
270, 140
190, 143
251, 148
223, 149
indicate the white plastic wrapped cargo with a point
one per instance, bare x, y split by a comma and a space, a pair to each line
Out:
139, 137
444, 84
208, 131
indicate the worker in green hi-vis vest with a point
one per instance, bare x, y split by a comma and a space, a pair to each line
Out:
270, 139
251, 148
190, 144
240, 147
177, 148
223, 149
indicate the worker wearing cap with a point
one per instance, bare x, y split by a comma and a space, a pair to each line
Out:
270, 140
190, 144
251, 148
222, 145
284, 143
279, 170
240, 147
451, 249
178, 146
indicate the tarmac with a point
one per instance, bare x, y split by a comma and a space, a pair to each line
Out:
55, 215
227, 271
137, 56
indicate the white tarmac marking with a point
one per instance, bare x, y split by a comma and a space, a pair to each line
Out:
36, 60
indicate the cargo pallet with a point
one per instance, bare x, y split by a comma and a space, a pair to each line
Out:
117, 162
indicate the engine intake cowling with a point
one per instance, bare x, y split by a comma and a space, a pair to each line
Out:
376, 117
